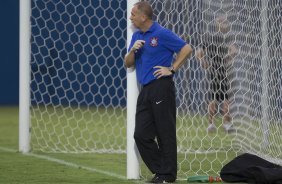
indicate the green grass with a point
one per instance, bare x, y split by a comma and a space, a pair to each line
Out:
32, 168
103, 130
72, 129
42, 167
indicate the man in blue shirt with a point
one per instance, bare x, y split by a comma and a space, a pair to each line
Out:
151, 52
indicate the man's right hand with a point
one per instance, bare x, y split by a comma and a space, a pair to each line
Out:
129, 57
137, 45
199, 54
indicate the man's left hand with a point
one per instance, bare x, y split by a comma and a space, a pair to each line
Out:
162, 71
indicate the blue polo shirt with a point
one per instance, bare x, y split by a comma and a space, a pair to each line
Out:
158, 50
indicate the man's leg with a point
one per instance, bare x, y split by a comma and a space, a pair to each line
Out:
227, 124
145, 134
226, 114
164, 110
211, 112
212, 107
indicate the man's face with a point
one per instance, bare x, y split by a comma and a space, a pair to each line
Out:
136, 17
222, 25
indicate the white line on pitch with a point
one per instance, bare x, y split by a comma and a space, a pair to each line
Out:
67, 163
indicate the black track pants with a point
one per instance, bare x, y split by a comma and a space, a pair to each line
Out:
155, 130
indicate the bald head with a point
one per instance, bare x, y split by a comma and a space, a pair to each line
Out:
145, 8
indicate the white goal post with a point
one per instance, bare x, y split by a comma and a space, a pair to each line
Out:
24, 89
24, 113
133, 165
76, 96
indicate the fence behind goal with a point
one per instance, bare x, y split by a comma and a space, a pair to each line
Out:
78, 80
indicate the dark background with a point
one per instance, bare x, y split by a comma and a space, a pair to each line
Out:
9, 47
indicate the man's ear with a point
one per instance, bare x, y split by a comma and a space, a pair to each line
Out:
144, 18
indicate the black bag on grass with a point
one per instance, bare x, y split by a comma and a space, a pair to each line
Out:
251, 169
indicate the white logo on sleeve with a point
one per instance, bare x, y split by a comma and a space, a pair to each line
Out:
159, 102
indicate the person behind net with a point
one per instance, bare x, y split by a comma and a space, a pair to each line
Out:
215, 55
151, 52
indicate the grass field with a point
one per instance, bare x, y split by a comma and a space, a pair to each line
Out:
52, 168
39, 167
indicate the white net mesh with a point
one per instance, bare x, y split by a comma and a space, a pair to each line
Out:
78, 79
250, 43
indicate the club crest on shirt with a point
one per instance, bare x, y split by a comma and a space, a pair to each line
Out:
154, 41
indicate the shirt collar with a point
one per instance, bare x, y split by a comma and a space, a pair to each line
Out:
153, 27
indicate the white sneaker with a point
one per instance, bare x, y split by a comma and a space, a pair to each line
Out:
228, 127
211, 128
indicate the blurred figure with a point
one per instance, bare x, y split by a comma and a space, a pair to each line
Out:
215, 55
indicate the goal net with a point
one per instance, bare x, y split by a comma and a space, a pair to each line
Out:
78, 79
245, 34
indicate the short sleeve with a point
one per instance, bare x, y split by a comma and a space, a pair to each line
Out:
172, 41
133, 39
